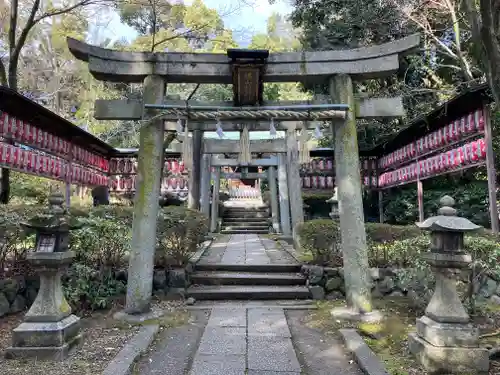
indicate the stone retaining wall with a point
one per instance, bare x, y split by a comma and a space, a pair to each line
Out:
19, 292
328, 283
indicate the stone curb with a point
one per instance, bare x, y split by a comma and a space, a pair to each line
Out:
367, 361
195, 258
124, 361
290, 250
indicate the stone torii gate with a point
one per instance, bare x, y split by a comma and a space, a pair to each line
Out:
247, 70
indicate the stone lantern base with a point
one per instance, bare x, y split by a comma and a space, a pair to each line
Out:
448, 359
51, 340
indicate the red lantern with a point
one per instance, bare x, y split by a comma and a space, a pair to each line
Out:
39, 138
329, 182
479, 116
451, 132
175, 166
20, 131
468, 158
482, 148
4, 118
127, 166
13, 127
322, 182
460, 155
15, 156
463, 126
470, 127
475, 151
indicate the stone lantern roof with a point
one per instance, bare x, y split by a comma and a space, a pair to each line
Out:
447, 219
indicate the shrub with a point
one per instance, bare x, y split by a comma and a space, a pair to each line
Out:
87, 289
179, 232
391, 245
102, 242
320, 238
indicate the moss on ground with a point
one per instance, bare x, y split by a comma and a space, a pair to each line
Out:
387, 339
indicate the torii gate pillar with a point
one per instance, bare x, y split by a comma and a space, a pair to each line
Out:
348, 181
149, 174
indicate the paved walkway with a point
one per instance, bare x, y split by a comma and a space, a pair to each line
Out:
245, 249
246, 338
257, 339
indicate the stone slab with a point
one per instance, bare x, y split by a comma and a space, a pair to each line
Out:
175, 348
447, 334
228, 364
364, 356
259, 372
223, 341
435, 359
272, 354
319, 353
267, 322
53, 353
345, 313
139, 318
123, 362
52, 334
228, 317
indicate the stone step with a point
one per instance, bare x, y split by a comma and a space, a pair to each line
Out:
250, 228
245, 215
245, 231
245, 220
247, 209
246, 278
244, 223
260, 292
270, 268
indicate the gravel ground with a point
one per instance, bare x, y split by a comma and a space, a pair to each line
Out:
102, 341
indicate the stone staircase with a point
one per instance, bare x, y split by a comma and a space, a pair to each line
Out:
248, 282
245, 219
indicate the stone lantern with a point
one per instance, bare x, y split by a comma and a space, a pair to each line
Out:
49, 329
445, 340
334, 201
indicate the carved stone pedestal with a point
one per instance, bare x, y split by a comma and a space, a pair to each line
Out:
49, 329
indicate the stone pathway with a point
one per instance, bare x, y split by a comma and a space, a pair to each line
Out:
247, 338
245, 249
253, 339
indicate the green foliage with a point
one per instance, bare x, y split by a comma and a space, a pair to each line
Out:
85, 288
179, 232
102, 242
101, 247
400, 205
391, 245
317, 206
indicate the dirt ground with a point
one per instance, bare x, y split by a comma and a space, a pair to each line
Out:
389, 339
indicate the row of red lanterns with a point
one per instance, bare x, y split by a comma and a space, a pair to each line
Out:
25, 133
453, 132
319, 164
318, 182
322, 182
49, 166
470, 153
129, 183
129, 166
